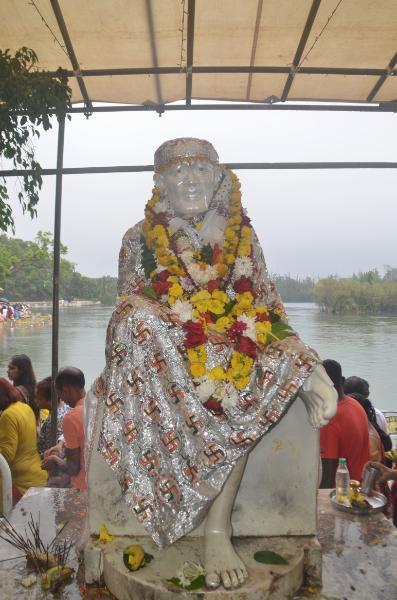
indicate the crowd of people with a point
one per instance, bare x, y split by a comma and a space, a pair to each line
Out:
13, 312
358, 431
25, 428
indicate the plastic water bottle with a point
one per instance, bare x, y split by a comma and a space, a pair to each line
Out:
342, 482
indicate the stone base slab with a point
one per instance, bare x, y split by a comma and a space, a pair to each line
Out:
265, 582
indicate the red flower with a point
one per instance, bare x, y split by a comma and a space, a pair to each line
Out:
195, 335
163, 275
215, 253
161, 287
243, 284
246, 346
208, 317
261, 317
160, 219
214, 406
213, 285
236, 330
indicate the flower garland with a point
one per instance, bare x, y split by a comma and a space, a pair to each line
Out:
193, 284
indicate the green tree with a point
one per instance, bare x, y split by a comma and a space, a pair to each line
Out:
24, 88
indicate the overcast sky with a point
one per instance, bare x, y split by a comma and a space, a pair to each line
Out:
309, 222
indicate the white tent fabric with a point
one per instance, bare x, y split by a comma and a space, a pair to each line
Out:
345, 34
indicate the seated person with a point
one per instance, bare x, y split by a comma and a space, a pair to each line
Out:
43, 399
69, 384
18, 441
346, 435
358, 385
379, 441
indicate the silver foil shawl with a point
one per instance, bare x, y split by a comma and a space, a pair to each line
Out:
171, 455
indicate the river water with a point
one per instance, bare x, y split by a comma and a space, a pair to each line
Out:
365, 345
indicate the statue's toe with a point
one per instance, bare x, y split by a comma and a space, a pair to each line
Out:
226, 581
234, 578
212, 580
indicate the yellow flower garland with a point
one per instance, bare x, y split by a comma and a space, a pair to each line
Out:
237, 243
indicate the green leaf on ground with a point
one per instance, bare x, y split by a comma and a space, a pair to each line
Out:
267, 557
195, 584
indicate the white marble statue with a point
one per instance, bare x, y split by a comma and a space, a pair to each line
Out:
200, 361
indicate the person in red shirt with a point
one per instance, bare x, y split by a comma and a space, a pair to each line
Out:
70, 384
346, 435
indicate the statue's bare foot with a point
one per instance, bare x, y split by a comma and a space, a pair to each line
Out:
222, 564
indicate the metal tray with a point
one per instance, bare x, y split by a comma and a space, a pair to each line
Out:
377, 500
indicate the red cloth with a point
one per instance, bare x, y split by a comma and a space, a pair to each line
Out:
73, 431
346, 436
16, 495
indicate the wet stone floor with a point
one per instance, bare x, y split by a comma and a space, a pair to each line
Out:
359, 552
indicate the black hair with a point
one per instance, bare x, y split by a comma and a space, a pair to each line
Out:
371, 414
334, 372
70, 376
356, 385
27, 379
44, 386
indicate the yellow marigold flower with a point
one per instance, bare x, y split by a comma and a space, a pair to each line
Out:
217, 373
173, 279
215, 306
245, 230
200, 296
244, 250
230, 259
175, 270
221, 324
222, 269
197, 354
220, 295
158, 230
263, 327
235, 195
241, 383
261, 309
261, 338
231, 235
176, 290
197, 369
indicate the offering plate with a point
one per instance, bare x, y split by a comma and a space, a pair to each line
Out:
377, 501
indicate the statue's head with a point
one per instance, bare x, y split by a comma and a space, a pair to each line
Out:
187, 172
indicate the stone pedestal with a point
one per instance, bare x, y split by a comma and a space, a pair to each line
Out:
265, 582
277, 495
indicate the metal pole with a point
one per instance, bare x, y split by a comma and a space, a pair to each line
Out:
55, 284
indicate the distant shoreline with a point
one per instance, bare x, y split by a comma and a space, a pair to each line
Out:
62, 303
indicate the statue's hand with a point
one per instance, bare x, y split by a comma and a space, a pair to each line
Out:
320, 397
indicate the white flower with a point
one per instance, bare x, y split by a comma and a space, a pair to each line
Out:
250, 330
227, 395
205, 390
189, 572
202, 276
183, 310
243, 267
161, 206
187, 257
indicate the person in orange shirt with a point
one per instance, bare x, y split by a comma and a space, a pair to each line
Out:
70, 385
346, 435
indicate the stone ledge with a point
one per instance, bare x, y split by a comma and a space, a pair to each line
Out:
265, 582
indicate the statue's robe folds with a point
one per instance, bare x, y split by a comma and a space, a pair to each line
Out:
171, 455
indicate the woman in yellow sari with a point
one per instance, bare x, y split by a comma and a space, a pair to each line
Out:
18, 441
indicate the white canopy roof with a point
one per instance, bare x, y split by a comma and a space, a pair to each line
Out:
312, 50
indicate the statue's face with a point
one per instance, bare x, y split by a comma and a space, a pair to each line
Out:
189, 187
